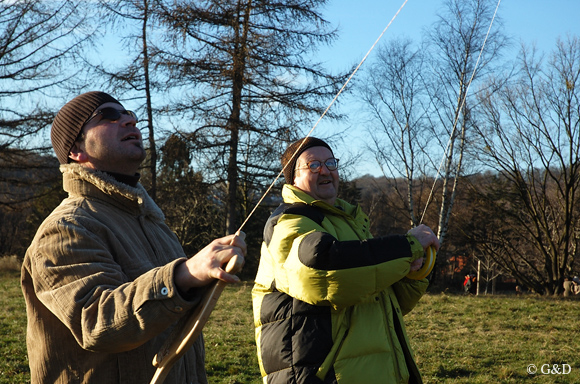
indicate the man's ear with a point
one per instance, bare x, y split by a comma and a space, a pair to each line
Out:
77, 154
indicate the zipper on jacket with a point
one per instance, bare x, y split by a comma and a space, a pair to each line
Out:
336, 346
412, 369
396, 344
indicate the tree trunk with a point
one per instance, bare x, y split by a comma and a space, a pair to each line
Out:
152, 147
238, 70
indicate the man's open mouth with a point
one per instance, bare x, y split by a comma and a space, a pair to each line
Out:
131, 137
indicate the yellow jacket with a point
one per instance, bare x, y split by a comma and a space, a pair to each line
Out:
329, 298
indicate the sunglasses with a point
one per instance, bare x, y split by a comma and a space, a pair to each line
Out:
112, 114
315, 166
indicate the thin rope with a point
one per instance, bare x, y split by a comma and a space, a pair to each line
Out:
458, 112
294, 154
321, 116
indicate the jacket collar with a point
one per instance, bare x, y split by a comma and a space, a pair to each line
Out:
82, 181
291, 194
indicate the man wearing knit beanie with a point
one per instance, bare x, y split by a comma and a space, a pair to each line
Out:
71, 118
326, 289
294, 151
105, 280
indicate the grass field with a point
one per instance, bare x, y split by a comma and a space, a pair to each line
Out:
457, 339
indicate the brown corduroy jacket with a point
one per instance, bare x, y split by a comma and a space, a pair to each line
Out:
99, 287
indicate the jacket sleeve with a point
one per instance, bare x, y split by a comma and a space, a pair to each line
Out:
315, 267
409, 292
76, 277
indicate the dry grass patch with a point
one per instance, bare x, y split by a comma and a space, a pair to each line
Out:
10, 263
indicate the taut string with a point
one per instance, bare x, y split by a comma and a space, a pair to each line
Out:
321, 116
457, 117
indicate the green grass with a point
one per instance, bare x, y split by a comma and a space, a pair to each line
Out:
13, 358
229, 339
493, 339
457, 339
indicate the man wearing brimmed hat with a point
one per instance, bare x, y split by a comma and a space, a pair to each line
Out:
105, 278
329, 298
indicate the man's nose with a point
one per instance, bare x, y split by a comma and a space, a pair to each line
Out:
324, 169
128, 119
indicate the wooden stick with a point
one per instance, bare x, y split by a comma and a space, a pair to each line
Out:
189, 328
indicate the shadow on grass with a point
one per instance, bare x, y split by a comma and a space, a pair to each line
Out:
453, 372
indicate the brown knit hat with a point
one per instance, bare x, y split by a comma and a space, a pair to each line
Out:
289, 158
69, 121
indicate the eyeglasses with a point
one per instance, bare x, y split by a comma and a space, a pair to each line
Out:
112, 114
315, 165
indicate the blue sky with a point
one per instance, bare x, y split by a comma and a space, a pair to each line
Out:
361, 22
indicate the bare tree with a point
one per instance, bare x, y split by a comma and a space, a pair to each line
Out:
136, 77
484, 231
38, 40
395, 96
460, 59
531, 137
240, 69
420, 108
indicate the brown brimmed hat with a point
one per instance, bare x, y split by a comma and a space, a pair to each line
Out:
69, 121
289, 161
